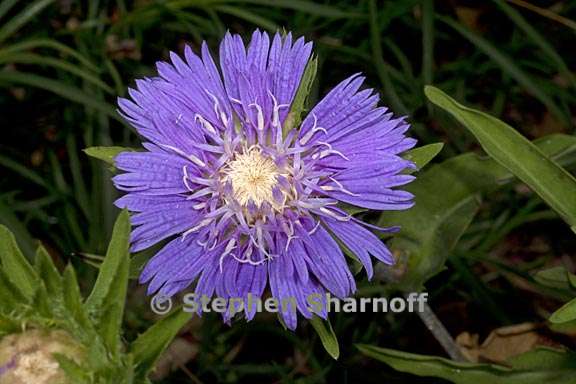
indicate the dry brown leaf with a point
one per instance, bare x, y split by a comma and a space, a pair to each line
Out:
502, 343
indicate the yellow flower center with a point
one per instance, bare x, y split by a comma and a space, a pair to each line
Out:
253, 176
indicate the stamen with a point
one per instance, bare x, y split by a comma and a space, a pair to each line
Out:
312, 131
217, 110
185, 178
260, 117
202, 224
205, 123
229, 247
190, 157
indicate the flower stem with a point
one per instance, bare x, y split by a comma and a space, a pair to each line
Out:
440, 333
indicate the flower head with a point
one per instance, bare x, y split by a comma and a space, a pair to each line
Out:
246, 200
28, 357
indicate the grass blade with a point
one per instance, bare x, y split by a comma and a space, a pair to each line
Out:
22, 18
71, 93
508, 66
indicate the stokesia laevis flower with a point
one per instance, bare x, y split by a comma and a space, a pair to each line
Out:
246, 201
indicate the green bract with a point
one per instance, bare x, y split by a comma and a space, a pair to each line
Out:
45, 322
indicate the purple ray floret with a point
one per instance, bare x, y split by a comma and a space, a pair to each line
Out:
246, 203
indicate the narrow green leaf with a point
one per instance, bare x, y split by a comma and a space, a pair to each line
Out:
47, 272
76, 374
106, 154
565, 314
66, 91
327, 336
10, 296
428, 41
6, 5
544, 358
17, 268
10, 220
556, 277
382, 68
73, 298
112, 316
423, 155
148, 347
251, 17
508, 65
24, 172
47, 43
18, 21
32, 58
299, 103
538, 39
508, 147
464, 373
106, 303
118, 252
304, 6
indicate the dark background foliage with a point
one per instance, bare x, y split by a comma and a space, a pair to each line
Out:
63, 63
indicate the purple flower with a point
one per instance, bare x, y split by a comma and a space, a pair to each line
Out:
246, 201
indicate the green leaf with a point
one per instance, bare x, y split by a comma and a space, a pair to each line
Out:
48, 273
508, 147
299, 103
9, 219
544, 358
538, 39
47, 43
75, 372
17, 268
10, 296
73, 298
66, 91
18, 21
304, 6
32, 58
423, 239
423, 155
508, 65
107, 300
327, 336
565, 314
6, 5
465, 373
106, 154
112, 316
557, 278
148, 347
251, 17
112, 267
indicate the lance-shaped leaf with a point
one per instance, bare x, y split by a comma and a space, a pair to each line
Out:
148, 347
509, 148
106, 154
17, 268
424, 154
432, 227
557, 368
106, 302
327, 336
48, 273
299, 103
565, 314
